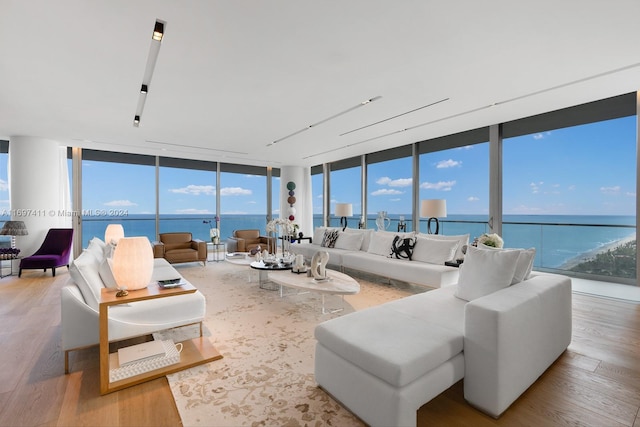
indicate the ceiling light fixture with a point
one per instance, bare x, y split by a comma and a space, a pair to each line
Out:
136, 121
144, 89
158, 31
348, 110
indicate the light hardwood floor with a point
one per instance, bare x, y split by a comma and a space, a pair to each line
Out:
596, 382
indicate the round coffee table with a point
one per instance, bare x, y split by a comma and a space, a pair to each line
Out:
263, 273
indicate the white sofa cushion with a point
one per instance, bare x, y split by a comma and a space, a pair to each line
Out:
366, 236
432, 275
399, 343
381, 243
84, 270
484, 272
106, 274
97, 248
434, 251
349, 241
524, 265
463, 239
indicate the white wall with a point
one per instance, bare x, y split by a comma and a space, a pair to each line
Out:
38, 188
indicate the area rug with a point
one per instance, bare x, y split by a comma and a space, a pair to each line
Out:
266, 375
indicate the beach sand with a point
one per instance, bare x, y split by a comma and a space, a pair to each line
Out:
587, 256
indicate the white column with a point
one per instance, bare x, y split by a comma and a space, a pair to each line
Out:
38, 188
301, 176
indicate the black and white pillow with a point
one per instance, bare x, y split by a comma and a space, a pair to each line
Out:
329, 239
402, 247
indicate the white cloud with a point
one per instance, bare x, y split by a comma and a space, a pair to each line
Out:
630, 194
571, 187
252, 202
472, 199
4, 185
400, 182
610, 190
386, 192
444, 164
535, 187
541, 135
192, 211
320, 196
394, 200
120, 203
235, 191
195, 190
439, 186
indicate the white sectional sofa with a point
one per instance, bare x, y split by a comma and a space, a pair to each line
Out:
370, 251
384, 362
81, 295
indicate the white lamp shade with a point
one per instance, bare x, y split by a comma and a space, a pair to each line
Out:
132, 264
113, 233
344, 209
433, 208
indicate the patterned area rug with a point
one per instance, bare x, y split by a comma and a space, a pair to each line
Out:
266, 375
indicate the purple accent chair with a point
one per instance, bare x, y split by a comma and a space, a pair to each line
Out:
54, 252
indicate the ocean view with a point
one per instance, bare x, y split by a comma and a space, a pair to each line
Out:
561, 241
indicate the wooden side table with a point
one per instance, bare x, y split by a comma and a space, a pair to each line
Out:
195, 352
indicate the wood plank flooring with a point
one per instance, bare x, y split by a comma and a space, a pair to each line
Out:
596, 382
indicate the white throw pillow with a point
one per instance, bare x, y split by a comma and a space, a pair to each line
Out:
84, 272
96, 247
318, 235
524, 265
381, 243
366, 236
484, 272
434, 251
349, 241
106, 274
463, 240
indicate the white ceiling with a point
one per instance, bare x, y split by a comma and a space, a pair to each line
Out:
234, 76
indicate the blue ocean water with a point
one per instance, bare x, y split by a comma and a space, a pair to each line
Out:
558, 239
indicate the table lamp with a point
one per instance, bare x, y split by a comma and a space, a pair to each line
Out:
132, 264
343, 210
113, 234
13, 229
432, 209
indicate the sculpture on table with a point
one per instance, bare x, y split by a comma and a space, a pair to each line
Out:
319, 265
383, 221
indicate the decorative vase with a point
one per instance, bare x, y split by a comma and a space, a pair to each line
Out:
382, 221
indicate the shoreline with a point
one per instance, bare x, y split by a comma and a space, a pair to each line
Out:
589, 255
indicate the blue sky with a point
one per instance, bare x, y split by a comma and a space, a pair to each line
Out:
582, 170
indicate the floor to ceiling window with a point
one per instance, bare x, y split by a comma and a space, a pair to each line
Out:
118, 188
187, 196
243, 196
346, 187
390, 187
317, 191
570, 192
456, 168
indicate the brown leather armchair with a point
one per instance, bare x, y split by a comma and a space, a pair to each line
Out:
246, 240
180, 247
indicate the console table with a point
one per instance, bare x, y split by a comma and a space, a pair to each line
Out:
195, 352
